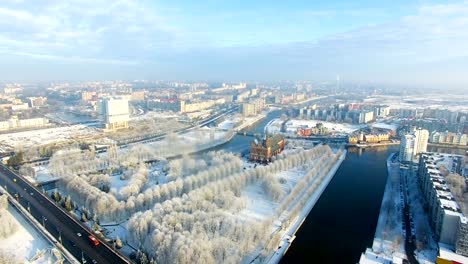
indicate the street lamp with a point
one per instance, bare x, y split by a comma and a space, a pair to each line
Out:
29, 208
83, 260
43, 221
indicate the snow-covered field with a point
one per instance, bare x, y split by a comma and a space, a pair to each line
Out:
228, 124
391, 126
215, 207
45, 136
26, 245
294, 124
154, 115
435, 101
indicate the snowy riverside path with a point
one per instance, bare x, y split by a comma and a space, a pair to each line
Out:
288, 236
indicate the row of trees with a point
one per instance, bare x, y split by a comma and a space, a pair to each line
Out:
181, 168
75, 161
192, 216
303, 191
200, 224
133, 200
194, 229
7, 224
137, 181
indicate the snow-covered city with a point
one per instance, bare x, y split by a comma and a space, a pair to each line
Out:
250, 132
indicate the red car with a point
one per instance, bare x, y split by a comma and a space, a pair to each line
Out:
93, 240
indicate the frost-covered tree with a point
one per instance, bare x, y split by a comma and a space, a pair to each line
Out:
8, 225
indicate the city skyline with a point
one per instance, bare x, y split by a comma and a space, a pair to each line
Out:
413, 44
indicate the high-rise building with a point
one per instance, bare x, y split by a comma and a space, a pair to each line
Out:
446, 217
407, 145
413, 144
365, 117
422, 137
114, 112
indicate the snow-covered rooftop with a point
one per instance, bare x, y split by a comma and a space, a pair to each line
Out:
292, 125
445, 252
449, 205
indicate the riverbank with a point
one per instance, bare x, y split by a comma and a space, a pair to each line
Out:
250, 121
448, 146
372, 145
388, 244
289, 235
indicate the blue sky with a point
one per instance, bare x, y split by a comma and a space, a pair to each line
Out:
419, 43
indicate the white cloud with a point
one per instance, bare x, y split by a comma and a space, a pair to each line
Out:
133, 33
87, 28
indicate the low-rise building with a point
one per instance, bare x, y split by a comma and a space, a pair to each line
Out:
37, 101
20, 106
353, 139
376, 138
167, 104
137, 96
264, 150
188, 107
15, 123
448, 138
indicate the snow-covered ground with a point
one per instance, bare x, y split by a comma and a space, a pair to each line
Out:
389, 235
45, 136
288, 234
391, 126
435, 101
294, 124
26, 244
389, 240
116, 186
228, 124
426, 246
154, 115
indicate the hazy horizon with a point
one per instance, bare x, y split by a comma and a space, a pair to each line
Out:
417, 44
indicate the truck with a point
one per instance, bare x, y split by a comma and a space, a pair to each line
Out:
93, 240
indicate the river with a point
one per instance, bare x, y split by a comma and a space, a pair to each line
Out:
342, 224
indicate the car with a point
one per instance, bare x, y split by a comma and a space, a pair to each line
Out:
31, 194
78, 234
93, 240
94, 261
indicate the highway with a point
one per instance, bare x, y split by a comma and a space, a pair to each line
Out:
57, 222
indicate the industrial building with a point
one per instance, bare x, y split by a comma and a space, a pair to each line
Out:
264, 150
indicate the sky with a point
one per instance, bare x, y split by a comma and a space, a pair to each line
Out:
412, 43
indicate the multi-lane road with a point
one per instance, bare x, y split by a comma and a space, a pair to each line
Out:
72, 233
